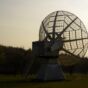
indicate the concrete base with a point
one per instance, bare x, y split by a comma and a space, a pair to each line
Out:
50, 72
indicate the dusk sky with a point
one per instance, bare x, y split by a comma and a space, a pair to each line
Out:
20, 19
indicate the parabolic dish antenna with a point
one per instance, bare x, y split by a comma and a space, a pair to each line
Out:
66, 32
59, 31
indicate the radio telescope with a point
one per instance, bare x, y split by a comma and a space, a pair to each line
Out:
60, 31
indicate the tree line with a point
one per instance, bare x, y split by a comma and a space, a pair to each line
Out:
14, 60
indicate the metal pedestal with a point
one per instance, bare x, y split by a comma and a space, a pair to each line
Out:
50, 71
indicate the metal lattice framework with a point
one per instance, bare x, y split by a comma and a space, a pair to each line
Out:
65, 25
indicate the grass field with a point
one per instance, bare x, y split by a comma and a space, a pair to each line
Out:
73, 81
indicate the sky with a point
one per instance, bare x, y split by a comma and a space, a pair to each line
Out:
20, 19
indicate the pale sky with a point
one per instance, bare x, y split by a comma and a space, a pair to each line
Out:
20, 19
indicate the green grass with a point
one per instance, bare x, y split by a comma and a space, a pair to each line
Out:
73, 81
64, 84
